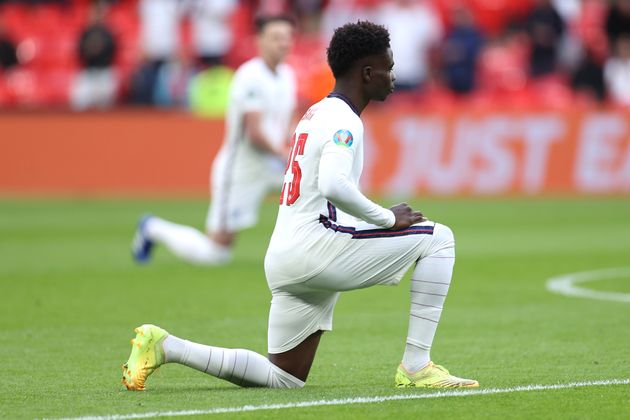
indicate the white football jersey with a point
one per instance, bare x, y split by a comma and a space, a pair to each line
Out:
310, 231
256, 88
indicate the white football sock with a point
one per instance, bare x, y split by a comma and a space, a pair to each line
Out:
187, 243
241, 367
429, 286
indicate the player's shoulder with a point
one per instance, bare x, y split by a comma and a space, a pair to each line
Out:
333, 120
336, 112
251, 67
285, 70
255, 69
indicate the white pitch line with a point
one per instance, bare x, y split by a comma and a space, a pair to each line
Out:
566, 284
354, 400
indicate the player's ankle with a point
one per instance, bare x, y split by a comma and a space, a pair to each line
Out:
413, 367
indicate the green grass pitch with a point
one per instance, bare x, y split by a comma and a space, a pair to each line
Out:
71, 296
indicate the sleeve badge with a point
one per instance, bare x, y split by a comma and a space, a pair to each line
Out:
343, 138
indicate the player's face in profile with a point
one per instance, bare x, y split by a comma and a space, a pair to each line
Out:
275, 41
382, 76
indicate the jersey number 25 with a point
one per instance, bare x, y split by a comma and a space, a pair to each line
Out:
297, 149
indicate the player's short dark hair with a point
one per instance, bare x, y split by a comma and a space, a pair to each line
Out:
261, 22
354, 41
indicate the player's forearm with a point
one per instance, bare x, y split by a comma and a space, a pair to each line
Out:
253, 131
338, 189
261, 142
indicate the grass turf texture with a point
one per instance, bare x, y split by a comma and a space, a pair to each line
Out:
71, 297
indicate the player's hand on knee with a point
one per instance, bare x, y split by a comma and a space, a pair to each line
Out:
406, 216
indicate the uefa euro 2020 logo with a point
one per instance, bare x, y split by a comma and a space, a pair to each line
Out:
343, 138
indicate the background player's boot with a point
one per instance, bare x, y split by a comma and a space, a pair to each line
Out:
141, 245
146, 356
431, 376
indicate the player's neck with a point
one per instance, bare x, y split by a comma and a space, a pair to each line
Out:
272, 65
353, 95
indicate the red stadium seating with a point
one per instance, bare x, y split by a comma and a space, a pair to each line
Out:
47, 36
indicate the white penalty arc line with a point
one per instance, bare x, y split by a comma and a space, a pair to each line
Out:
566, 284
356, 400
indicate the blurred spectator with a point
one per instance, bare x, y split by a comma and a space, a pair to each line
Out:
309, 15
339, 12
545, 28
96, 84
503, 65
36, 2
159, 38
571, 45
617, 72
569, 10
8, 55
211, 30
588, 78
415, 29
591, 27
460, 51
314, 79
172, 82
165, 58
618, 21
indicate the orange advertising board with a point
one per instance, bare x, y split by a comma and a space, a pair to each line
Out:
106, 153
408, 152
498, 152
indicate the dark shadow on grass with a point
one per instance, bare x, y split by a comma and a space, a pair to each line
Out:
229, 389
199, 389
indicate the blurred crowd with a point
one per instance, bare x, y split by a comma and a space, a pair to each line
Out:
97, 54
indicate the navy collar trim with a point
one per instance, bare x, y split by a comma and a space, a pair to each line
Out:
346, 100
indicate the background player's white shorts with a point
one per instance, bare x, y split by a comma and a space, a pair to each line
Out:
239, 185
300, 309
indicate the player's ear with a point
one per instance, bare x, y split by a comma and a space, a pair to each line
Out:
366, 73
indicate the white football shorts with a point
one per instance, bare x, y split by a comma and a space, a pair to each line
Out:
239, 185
302, 308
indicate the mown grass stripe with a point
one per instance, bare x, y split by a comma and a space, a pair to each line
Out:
356, 400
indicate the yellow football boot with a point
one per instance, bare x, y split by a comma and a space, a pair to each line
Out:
431, 376
146, 356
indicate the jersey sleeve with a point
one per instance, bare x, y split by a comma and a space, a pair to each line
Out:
247, 92
334, 181
292, 89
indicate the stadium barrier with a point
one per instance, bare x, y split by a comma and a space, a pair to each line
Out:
458, 152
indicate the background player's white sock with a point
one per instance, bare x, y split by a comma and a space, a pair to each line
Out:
241, 367
429, 285
187, 243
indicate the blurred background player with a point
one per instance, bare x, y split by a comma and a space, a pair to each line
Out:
318, 251
251, 159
